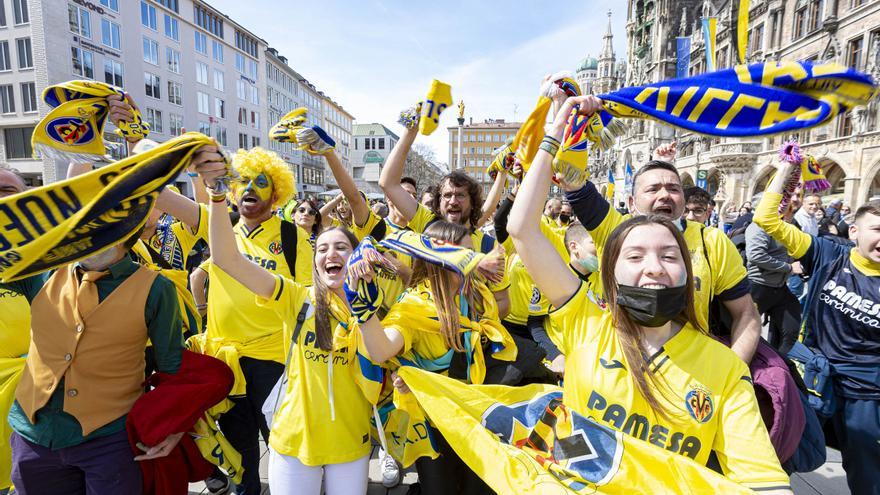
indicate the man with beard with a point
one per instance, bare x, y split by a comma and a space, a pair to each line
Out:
458, 200
244, 335
718, 268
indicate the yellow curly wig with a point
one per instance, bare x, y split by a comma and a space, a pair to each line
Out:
256, 161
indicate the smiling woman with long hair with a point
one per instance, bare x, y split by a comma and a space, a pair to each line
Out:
645, 367
320, 427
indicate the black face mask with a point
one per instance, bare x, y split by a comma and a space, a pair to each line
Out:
651, 307
564, 218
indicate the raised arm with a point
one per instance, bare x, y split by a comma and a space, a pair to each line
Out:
550, 273
330, 206
491, 202
224, 250
178, 205
360, 210
392, 172
767, 215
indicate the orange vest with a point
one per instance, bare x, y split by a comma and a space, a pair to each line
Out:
100, 355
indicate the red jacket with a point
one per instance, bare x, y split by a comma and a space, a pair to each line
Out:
173, 406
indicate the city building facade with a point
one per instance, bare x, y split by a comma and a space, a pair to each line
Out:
187, 65
478, 142
338, 124
371, 144
734, 170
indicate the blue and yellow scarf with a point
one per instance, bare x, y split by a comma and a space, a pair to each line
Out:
746, 100
74, 129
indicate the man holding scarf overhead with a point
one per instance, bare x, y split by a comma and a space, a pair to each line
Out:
247, 337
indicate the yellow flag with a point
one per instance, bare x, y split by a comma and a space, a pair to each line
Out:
66, 221
742, 30
525, 440
438, 99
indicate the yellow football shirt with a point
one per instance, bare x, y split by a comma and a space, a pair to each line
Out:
425, 217
324, 418
176, 244
708, 394
233, 316
722, 271
15, 324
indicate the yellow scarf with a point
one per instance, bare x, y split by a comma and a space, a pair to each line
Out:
438, 99
864, 265
74, 129
66, 221
528, 138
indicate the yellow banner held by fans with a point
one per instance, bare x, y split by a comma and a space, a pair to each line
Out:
525, 440
528, 138
742, 29
62, 222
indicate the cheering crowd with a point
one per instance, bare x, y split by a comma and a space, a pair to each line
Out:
648, 315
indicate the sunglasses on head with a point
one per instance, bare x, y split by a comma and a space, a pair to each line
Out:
307, 210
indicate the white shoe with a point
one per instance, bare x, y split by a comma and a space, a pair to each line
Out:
390, 470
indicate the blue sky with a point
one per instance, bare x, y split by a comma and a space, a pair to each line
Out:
376, 58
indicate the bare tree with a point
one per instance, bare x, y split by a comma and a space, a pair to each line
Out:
420, 165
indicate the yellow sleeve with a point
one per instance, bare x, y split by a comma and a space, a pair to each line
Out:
304, 256
572, 321
601, 233
421, 219
726, 263
364, 230
767, 217
742, 443
287, 298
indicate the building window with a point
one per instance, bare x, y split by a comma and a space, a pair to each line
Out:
800, 21
219, 108
255, 95
82, 62
242, 141
381, 143
814, 16
202, 73
246, 44
28, 97
219, 83
208, 21
111, 4
242, 116
854, 53
756, 39
845, 127
175, 92
241, 89
255, 141
113, 73
148, 15
172, 28
79, 21
18, 143
154, 119
2, 15
151, 85
7, 99
252, 69
204, 103
172, 58
255, 119
205, 128
20, 13
168, 4
25, 57
110, 34
151, 51
201, 43
217, 50
220, 135
5, 59
175, 124
239, 62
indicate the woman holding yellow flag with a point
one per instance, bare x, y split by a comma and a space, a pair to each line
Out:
321, 419
644, 367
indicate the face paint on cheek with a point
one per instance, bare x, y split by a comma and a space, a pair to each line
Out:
261, 185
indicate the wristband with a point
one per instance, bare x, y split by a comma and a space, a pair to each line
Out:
192, 174
550, 145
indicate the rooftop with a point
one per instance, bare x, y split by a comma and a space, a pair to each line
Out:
374, 129
489, 124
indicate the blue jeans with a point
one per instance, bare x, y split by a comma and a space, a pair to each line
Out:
857, 426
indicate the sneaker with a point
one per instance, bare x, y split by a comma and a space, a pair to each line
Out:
390, 470
219, 485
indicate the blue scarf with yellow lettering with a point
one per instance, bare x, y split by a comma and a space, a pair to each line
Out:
745, 100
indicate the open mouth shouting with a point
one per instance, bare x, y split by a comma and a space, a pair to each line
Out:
333, 268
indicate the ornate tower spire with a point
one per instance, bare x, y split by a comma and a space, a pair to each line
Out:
607, 48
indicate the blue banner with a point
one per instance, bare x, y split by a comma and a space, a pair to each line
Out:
683, 49
627, 179
709, 29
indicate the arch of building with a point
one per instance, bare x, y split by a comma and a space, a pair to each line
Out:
762, 179
870, 186
687, 180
